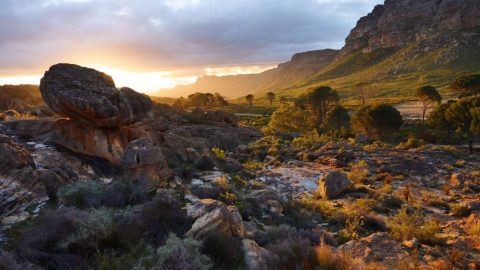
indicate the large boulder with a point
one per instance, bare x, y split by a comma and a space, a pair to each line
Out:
145, 163
89, 96
256, 257
332, 184
213, 216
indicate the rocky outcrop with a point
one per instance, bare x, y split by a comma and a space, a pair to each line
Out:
213, 216
90, 97
256, 257
144, 162
377, 247
332, 184
13, 156
400, 22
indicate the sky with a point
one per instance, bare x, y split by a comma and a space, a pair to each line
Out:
153, 44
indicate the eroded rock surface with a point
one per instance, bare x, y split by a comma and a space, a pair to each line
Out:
90, 97
332, 184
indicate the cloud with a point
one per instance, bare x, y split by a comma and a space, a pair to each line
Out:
170, 34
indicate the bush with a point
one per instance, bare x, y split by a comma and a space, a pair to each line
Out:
379, 120
100, 229
82, 194
281, 232
289, 118
411, 143
161, 216
175, 254
472, 226
124, 192
359, 172
293, 253
310, 141
224, 249
459, 210
219, 153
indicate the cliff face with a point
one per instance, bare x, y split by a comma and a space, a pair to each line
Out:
400, 22
301, 66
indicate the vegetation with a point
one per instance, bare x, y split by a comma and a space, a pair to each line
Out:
271, 97
290, 118
428, 96
337, 121
467, 85
201, 100
249, 99
379, 121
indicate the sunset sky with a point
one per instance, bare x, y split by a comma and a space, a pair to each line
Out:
149, 45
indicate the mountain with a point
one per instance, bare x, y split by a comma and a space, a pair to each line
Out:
397, 47
301, 66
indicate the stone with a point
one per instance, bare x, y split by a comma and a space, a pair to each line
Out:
256, 257
332, 184
108, 144
212, 215
90, 97
267, 199
378, 247
144, 162
13, 156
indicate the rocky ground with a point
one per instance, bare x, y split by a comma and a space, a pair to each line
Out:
278, 204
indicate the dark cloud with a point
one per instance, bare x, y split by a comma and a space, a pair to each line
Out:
171, 33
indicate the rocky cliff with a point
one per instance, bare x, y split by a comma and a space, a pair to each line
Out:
301, 66
397, 47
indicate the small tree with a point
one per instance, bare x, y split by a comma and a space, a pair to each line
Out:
428, 96
475, 126
467, 85
249, 99
288, 118
460, 113
271, 97
363, 89
319, 101
220, 100
379, 120
437, 119
336, 119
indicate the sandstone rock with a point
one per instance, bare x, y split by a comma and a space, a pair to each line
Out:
13, 156
332, 184
211, 215
256, 257
146, 163
90, 97
377, 247
108, 144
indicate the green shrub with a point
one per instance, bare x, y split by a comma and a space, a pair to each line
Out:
219, 153
253, 165
224, 249
176, 254
293, 253
459, 210
359, 172
82, 194
310, 141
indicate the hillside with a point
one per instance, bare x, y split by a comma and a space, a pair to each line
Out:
300, 67
398, 46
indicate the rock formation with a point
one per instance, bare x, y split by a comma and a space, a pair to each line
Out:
90, 97
332, 184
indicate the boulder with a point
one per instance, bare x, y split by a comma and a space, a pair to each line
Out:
13, 156
90, 97
332, 184
146, 163
211, 215
378, 247
267, 200
108, 144
256, 257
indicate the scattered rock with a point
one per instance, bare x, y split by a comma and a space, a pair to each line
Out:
266, 199
256, 257
211, 215
332, 184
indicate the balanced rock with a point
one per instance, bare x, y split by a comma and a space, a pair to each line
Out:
332, 184
89, 96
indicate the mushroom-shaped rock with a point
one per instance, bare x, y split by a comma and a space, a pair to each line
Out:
89, 96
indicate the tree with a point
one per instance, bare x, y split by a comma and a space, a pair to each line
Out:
319, 101
271, 97
379, 120
249, 99
475, 126
288, 118
337, 119
467, 85
428, 96
363, 89
220, 100
437, 119
460, 114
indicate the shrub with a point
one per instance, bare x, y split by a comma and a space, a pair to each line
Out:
358, 172
8, 262
289, 118
124, 192
82, 194
222, 182
293, 253
175, 254
411, 143
100, 229
219, 153
253, 165
378, 120
161, 216
472, 225
281, 232
459, 210
224, 249
310, 141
